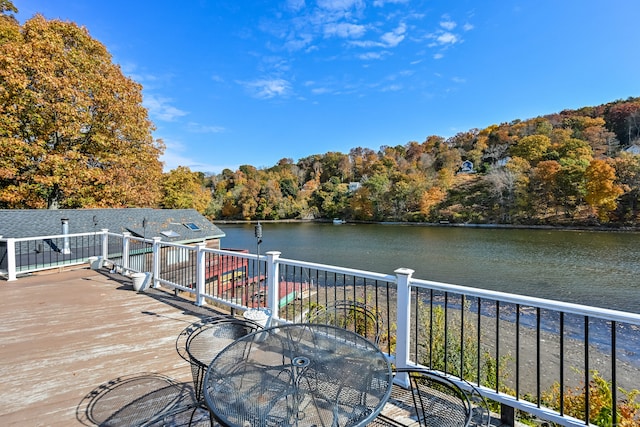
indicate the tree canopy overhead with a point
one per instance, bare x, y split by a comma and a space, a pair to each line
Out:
73, 131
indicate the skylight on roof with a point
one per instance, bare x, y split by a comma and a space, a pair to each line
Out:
192, 226
169, 233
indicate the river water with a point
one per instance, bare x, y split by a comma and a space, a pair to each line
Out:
597, 268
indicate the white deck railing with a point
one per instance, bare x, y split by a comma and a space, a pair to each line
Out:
511, 347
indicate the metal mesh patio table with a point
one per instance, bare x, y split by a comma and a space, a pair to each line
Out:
298, 375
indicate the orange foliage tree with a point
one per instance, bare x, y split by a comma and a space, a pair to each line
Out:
73, 131
602, 191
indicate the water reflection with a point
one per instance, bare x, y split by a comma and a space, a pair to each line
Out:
593, 268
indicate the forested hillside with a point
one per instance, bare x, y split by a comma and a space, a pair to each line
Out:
567, 168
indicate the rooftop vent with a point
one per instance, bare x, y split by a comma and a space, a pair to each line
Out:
169, 233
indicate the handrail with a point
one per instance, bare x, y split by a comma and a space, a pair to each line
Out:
566, 307
290, 288
336, 269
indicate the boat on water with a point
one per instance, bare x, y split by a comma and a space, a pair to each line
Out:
338, 221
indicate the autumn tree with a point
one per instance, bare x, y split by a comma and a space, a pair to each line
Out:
430, 199
623, 118
628, 172
543, 185
73, 131
532, 147
361, 205
183, 189
602, 191
502, 184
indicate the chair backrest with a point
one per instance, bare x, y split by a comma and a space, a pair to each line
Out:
181, 341
200, 343
431, 399
351, 315
217, 334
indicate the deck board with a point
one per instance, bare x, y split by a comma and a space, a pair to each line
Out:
64, 335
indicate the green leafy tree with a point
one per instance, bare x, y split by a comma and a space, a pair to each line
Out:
332, 199
73, 131
378, 186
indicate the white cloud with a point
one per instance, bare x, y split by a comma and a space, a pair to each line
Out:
200, 128
448, 24
344, 30
338, 4
467, 27
268, 88
388, 40
320, 91
392, 88
299, 41
380, 3
174, 157
366, 43
438, 56
295, 5
393, 38
447, 38
160, 109
371, 55
130, 70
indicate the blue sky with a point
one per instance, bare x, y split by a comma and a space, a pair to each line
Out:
232, 82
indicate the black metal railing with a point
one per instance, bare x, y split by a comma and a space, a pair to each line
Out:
561, 362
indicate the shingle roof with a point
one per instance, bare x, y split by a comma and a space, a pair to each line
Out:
47, 222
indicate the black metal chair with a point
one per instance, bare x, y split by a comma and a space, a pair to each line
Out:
351, 315
200, 342
425, 398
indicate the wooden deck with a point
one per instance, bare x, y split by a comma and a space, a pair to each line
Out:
80, 347
73, 343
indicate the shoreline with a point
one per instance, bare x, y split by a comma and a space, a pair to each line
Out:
594, 228
550, 353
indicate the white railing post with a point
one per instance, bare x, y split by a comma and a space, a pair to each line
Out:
200, 276
403, 316
11, 258
156, 261
273, 284
105, 244
125, 252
